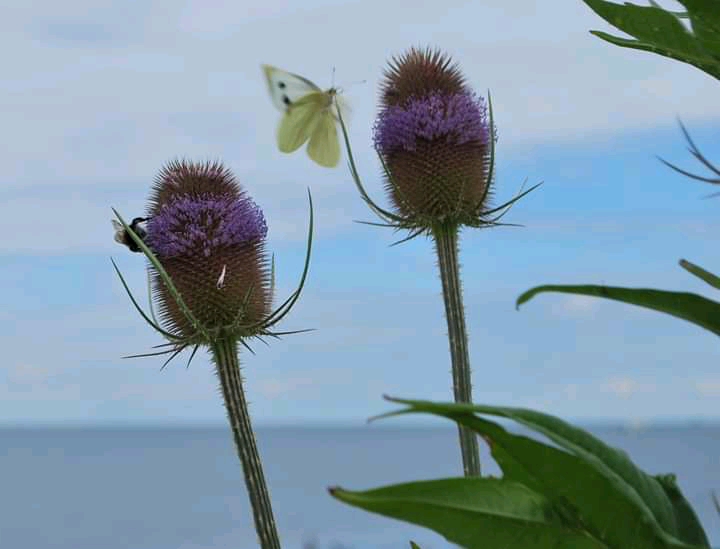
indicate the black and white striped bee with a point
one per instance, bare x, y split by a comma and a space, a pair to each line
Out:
124, 238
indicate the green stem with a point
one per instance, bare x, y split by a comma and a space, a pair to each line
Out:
446, 245
228, 370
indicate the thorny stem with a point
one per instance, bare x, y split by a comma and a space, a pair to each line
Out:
446, 245
228, 370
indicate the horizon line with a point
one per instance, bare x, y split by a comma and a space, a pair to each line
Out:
629, 423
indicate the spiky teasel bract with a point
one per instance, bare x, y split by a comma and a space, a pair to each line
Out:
419, 73
210, 275
436, 140
695, 151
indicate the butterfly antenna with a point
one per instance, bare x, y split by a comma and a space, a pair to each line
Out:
357, 82
332, 81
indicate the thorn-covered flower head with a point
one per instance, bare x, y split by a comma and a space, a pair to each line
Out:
434, 136
209, 236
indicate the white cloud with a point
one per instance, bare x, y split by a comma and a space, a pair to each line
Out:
100, 113
708, 387
305, 384
274, 388
626, 387
117, 90
571, 391
575, 305
623, 388
25, 376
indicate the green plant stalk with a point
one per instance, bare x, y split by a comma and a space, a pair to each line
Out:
228, 370
446, 244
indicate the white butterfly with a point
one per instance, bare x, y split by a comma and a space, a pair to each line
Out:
309, 115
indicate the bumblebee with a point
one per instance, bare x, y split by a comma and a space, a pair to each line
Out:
124, 238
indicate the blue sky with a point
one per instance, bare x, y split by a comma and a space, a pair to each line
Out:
98, 95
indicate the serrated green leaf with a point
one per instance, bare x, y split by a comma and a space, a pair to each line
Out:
705, 20
476, 513
678, 14
705, 66
648, 24
691, 307
659, 31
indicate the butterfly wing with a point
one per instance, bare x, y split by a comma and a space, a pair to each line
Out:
324, 146
298, 124
345, 109
286, 88
309, 115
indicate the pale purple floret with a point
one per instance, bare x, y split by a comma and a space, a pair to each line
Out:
459, 118
186, 225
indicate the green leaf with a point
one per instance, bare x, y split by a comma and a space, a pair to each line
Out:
678, 14
705, 20
661, 32
659, 493
476, 513
594, 451
691, 307
707, 67
689, 528
589, 494
414, 545
648, 24
701, 273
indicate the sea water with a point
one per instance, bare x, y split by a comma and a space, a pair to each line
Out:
182, 487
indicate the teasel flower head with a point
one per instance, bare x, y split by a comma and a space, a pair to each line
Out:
201, 226
435, 138
210, 274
